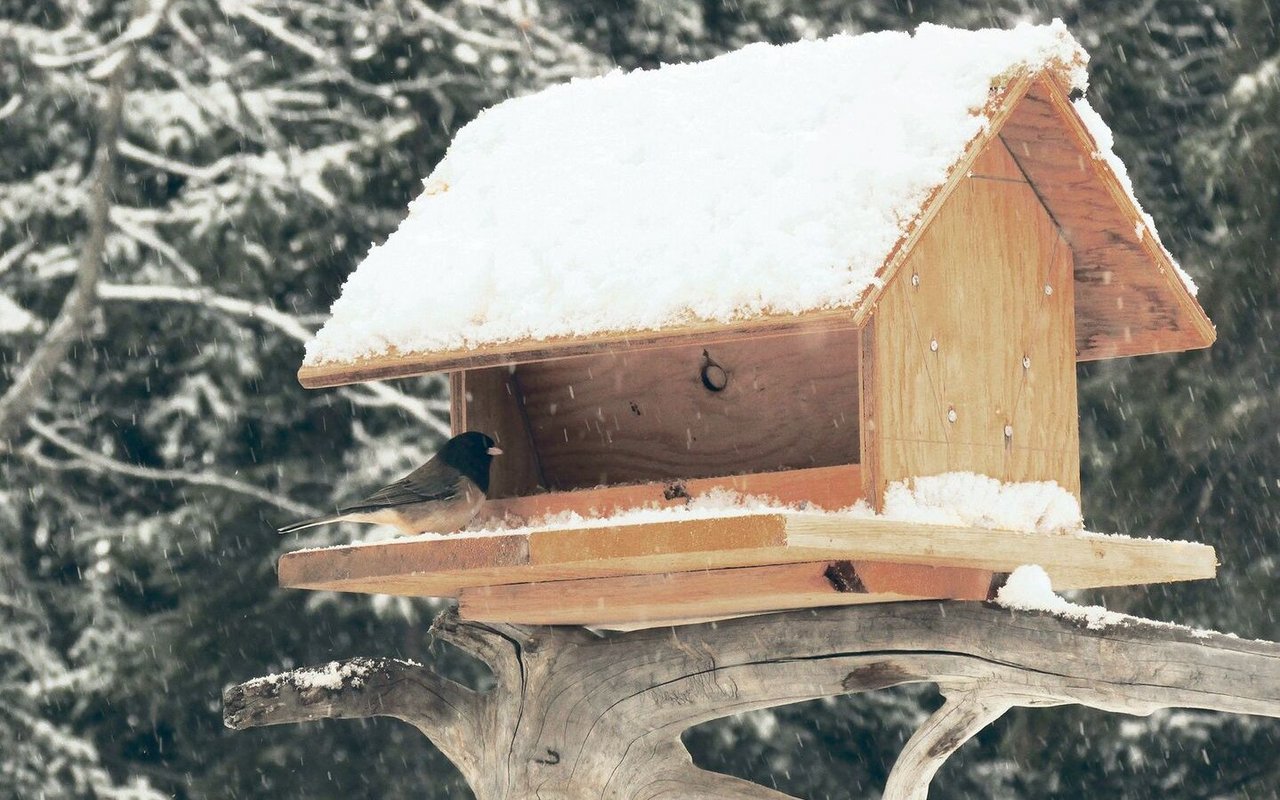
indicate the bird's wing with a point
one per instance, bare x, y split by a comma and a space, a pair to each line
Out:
404, 492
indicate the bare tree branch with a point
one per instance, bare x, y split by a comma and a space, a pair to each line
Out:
498, 646
207, 298
146, 18
89, 460
965, 712
575, 715
442, 710
38, 367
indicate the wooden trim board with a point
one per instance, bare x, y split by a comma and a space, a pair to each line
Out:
394, 364
827, 488
443, 567
634, 601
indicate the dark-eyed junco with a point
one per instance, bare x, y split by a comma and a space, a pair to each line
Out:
440, 496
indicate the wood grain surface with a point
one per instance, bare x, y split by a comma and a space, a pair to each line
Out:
787, 402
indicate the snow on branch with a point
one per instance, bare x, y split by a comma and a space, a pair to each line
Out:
88, 459
249, 11
432, 413
39, 366
442, 710
109, 54
234, 306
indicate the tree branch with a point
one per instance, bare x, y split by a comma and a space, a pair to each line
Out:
498, 646
146, 18
38, 368
428, 412
575, 715
88, 459
206, 298
965, 712
444, 711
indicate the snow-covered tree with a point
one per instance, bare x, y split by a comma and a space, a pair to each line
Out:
156, 287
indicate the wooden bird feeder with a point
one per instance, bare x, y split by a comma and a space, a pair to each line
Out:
1029, 258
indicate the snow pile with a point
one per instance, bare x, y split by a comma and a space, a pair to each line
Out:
1029, 589
334, 675
16, 319
969, 499
715, 504
774, 179
331, 676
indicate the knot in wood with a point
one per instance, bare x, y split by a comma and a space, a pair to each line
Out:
844, 578
714, 376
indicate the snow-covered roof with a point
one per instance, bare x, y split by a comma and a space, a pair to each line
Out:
773, 180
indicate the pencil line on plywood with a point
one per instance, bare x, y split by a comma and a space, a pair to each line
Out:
928, 367
998, 178
975, 444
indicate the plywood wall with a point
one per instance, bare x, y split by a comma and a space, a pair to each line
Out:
788, 402
1128, 298
972, 345
620, 417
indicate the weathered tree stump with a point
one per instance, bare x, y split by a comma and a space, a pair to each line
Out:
574, 714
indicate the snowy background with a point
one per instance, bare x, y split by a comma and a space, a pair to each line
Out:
265, 144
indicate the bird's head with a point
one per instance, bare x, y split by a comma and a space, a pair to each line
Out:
471, 453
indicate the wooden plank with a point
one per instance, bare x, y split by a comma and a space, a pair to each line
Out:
488, 400
787, 402
1129, 300
974, 366
829, 488
369, 564
458, 402
1072, 562
869, 428
442, 567
637, 601
397, 364
660, 546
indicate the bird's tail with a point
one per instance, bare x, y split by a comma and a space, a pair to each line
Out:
309, 523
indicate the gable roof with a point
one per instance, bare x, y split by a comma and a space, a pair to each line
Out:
774, 189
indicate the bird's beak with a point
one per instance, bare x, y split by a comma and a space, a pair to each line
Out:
494, 451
